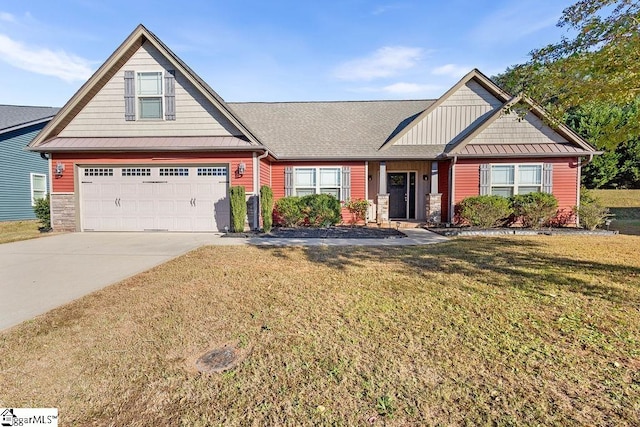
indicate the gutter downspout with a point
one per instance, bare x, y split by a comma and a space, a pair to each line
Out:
256, 189
452, 192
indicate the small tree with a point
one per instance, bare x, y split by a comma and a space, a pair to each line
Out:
266, 207
358, 209
237, 195
485, 211
591, 213
42, 210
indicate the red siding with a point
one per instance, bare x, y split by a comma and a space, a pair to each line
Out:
65, 184
565, 178
358, 179
265, 172
443, 187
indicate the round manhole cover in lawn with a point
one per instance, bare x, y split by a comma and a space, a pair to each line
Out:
220, 359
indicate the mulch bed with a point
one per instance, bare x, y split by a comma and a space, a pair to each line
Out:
326, 233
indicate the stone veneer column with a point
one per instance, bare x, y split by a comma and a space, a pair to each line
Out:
434, 208
63, 212
383, 208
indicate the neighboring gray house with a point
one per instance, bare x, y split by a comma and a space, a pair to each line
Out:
23, 174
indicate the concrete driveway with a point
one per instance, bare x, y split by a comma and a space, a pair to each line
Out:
40, 274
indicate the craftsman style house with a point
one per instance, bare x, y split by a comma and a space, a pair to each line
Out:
146, 144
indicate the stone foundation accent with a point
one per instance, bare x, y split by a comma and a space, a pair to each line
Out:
63, 212
383, 208
434, 208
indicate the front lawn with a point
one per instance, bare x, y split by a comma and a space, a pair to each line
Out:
478, 331
12, 231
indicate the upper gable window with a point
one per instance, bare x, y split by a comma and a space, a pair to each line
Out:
149, 91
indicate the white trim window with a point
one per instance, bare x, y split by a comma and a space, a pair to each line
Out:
149, 92
510, 179
317, 180
38, 187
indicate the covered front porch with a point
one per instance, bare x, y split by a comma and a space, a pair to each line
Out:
404, 190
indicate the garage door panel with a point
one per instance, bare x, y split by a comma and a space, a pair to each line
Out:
155, 198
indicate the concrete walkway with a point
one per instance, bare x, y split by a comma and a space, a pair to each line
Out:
41, 274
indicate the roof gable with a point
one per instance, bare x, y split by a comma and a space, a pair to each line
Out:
140, 38
506, 127
466, 103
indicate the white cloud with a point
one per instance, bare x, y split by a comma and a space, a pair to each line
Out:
7, 17
385, 62
65, 66
451, 70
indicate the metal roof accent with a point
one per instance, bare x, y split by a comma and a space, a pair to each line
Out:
512, 150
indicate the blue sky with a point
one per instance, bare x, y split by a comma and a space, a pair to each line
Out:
276, 50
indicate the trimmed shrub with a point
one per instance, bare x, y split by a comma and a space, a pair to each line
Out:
485, 211
591, 213
358, 209
266, 207
42, 210
287, 212
238, 208
314, 210
321, 210
534, 209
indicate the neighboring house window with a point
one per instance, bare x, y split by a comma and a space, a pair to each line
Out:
149, 91
507, 180
38, 187
317, 181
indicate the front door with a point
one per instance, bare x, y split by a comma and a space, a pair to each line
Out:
398, 191
402, 191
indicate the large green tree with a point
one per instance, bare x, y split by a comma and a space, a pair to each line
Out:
600, 63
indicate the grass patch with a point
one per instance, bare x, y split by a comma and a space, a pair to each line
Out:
625, 205
13, 231
504, 331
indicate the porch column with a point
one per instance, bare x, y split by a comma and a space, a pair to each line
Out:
434, 198
383, 197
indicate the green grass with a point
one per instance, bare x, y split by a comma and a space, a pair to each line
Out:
478, 331
12, 231
625, 206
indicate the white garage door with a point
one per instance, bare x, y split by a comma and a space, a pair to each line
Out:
167, 198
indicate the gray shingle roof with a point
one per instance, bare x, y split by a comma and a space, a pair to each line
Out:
333, 130
12, 116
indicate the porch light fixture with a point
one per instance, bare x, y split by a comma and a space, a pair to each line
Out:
425, 177
242, 168
59, 169
370, 178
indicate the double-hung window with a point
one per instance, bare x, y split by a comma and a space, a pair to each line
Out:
149, 93
38, 187
317, 180
507, 180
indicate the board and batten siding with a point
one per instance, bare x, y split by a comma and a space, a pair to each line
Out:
459, 111
66, 183
16, 166
104, 114
358, 179
512, 129
564, 178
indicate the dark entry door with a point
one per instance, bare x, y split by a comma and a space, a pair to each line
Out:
398, 191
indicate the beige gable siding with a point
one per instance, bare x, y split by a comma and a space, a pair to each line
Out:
103, 116
461, 109
511, 129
